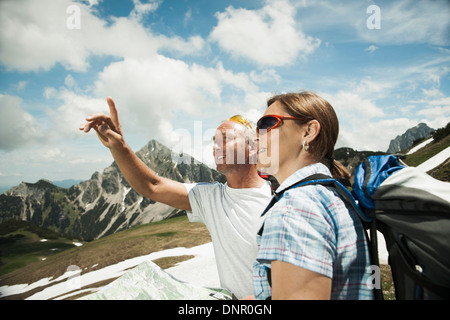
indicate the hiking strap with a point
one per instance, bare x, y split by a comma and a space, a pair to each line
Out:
324, 180
373, 252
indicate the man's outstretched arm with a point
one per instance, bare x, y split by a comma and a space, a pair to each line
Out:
140, 177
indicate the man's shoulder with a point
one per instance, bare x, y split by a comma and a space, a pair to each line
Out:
201, 187
209, 185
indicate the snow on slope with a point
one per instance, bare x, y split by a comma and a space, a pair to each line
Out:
200, 270
433, 162
420, 146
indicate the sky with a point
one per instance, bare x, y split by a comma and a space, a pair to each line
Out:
177, 68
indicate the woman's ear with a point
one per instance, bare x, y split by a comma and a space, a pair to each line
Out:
312, 130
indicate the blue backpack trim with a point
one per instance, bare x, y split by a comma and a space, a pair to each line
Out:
370, 174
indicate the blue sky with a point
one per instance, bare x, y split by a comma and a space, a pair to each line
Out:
177, 68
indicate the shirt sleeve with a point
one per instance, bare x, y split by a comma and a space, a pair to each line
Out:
298, 230
195, 194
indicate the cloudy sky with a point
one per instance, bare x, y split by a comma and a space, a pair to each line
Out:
177, 68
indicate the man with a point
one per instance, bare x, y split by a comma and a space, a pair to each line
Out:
230, 211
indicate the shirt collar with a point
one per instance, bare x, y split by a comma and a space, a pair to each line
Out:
304, 172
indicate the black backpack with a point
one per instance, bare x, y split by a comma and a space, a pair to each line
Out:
411, 210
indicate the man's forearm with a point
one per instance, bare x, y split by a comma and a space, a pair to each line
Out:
140, 177
147, 183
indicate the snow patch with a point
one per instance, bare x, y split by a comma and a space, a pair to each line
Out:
433, 162
420, 146
200, 270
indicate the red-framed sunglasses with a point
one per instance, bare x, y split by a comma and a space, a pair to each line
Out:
271, 121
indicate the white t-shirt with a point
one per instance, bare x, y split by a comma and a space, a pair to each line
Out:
233, 217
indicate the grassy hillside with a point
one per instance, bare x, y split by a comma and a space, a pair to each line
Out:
22, 243
442, 172
137, 241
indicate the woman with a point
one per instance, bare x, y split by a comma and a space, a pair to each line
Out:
313, 245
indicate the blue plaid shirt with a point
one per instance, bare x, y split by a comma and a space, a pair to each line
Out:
313, 228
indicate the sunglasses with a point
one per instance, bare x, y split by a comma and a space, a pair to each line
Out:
272, 121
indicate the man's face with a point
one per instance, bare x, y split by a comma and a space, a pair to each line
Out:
230, 147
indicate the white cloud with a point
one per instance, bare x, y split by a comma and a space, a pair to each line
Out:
373, 135
158, 87
265, 75
352, 107
187, 17
150, 89
141, 9
432, 93
362, 123
269, 36
162, 88
366, 126
21, 85
408, 109
72, 112
402, 21
69, 81
415, 22
17, 127
436, 108
371, 48
34, 36
441, 111
407, 21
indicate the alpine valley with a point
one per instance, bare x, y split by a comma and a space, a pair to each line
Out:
104, 204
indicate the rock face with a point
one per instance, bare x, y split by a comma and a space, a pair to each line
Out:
407, 139
105, 203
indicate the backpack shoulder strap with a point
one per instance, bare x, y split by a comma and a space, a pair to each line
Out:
278, 195
324, 180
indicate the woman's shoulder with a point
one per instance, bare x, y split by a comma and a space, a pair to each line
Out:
308, 195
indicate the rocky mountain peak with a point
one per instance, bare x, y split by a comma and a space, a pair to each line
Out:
407, 139
105, 203
37, 190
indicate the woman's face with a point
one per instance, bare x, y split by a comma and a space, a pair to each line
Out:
279, 149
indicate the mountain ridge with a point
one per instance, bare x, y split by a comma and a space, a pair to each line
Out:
105, 203
405, 140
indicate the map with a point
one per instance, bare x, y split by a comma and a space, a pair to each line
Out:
147, 281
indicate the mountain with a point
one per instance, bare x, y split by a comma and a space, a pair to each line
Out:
66, 183
105, 203
407, 139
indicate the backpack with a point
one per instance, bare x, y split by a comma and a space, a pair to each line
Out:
411, 210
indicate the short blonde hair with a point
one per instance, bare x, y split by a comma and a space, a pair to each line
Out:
250, 127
